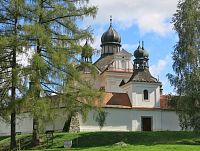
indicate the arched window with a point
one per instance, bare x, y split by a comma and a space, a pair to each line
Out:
123, 63
146, 95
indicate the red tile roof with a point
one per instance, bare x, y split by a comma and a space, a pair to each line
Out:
119, 100
164, 102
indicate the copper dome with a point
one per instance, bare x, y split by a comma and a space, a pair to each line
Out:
111, 36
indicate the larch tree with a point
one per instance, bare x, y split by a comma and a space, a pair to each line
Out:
186, 66
11, 42
53, 32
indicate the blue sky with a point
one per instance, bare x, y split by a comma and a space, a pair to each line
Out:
137, 20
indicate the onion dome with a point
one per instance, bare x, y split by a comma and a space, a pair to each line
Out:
111, 36
140, 52
86, 51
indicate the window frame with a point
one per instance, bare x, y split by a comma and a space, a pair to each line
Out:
145, 95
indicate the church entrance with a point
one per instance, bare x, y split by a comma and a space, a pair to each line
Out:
146, 123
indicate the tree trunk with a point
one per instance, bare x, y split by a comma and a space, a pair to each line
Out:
35, 136
13, 134
13, 95
13, 113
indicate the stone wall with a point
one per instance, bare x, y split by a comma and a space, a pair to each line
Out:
74, 124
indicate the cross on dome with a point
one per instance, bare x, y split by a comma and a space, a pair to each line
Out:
110, 20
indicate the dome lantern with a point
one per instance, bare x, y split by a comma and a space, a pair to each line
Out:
141, 57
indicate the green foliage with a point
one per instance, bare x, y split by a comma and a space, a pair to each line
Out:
11, 45
9, 70
186, 65
50, 29
53, 32
87, 51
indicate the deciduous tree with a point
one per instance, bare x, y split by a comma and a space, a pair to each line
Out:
186, 56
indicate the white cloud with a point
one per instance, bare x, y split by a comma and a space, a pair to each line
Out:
97, 42
160, 70
159, 67
130, 47
149, 15
153, 23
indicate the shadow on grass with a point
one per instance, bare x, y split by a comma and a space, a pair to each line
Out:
23, 142
106, 139
4, 142
4, 137
98, 139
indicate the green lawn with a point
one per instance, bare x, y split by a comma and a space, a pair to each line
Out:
104, 141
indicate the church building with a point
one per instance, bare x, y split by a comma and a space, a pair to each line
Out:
133, 99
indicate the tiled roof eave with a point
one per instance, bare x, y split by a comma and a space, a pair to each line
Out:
140, 108
144, 81
117, 106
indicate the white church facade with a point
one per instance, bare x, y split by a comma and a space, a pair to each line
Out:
133, 99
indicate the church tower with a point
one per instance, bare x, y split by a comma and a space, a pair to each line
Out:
143, 89
114, 64
110, 41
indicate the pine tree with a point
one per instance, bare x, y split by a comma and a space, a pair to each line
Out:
55, 36
10, 45
186, 65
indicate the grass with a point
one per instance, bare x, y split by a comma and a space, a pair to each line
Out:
104, 141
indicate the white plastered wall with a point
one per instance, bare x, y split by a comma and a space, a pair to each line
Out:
153, 91
116, 120
24, 124
130, 120
170, 121
135, 91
